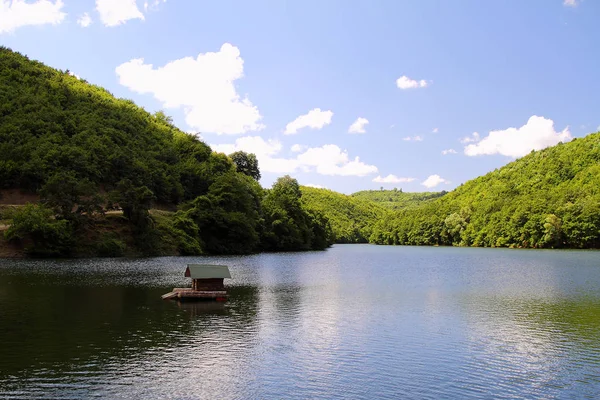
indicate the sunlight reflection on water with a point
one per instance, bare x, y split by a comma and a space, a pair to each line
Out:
355, 321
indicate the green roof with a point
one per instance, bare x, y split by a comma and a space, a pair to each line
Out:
207, 271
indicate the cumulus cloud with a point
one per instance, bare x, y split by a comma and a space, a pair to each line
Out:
358, 126
265, 150
433, 180
153, 5
538, 133
314, 119
297, 148
117, 12
413, 138
85, 20
331, 160
470, 139
202, 86
404, 82
250, 144
17, 13
570, 3
315, 186
74, 74
449, 151
392, 179
326, 160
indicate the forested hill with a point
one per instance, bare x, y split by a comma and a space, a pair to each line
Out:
549, 198
351, 219
100, 165
397, 199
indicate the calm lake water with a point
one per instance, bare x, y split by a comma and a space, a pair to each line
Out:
355, 321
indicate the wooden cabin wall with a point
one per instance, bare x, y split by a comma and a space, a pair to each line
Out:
208, 284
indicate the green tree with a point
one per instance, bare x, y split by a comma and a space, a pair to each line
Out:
40, 233
246, 163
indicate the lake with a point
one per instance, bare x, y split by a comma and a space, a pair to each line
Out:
355, 321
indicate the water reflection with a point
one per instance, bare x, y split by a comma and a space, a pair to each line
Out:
351, 322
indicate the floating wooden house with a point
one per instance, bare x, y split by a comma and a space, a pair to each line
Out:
207, 283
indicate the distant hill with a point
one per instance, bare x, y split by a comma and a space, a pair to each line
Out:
351, 218
397, 199
549, 198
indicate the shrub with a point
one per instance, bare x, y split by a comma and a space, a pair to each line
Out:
35, 227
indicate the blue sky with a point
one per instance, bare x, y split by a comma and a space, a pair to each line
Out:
287, 80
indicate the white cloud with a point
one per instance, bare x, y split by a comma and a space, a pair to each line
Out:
413, 138
433, 180
264, 151
470, 139
435, 130
250, 144
74, 74
404, 82
117, 12
154, 5
570, 3
315, 186
297, 148
325, 160
392, 179
314, 119
17, 13
331, 160
449, 151
202, 86
85, 20
358, 126
538, 133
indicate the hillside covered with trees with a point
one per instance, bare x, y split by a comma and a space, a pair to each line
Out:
102, 168
397, 199
103, 177
547, 199
351, 218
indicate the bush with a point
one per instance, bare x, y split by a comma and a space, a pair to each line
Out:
110, 246
35, 227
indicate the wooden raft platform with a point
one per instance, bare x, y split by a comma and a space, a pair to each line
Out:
189, 293
207, 283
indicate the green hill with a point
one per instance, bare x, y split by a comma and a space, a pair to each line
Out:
397, 199
97, 166
549, 198
351, 218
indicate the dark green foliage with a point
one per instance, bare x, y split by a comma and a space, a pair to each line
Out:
228, 216
109, 245
549, 198
288, 226
52, 121
36, 229
134, 201
351, 218
71, 198
397, 199
246, 163
89, 156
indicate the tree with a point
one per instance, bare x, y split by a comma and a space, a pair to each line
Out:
246, 163
135, 201
71, 198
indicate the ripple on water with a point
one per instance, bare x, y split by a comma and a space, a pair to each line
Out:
355, 321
